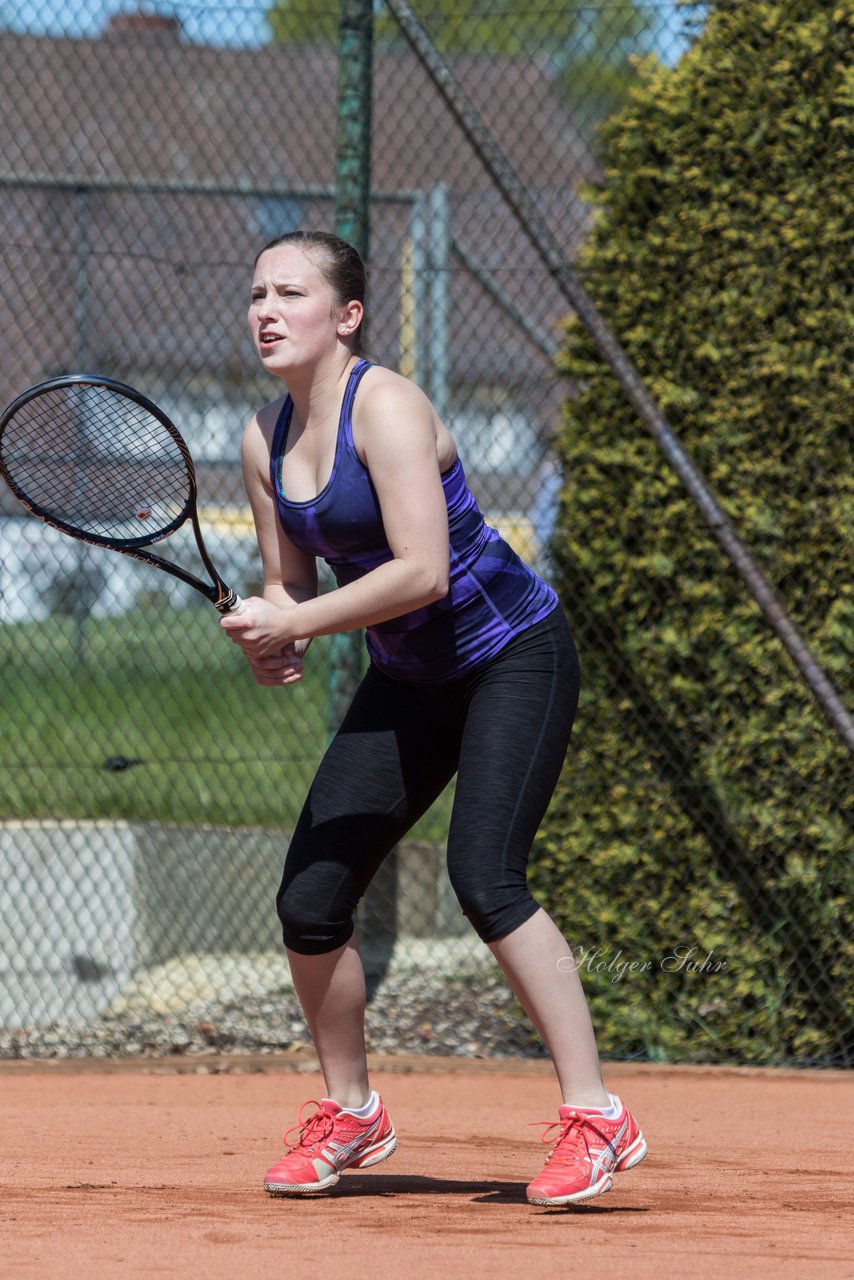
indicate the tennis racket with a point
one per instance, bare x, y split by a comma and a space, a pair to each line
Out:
102, 463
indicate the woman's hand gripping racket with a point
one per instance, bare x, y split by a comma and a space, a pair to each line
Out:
100, 462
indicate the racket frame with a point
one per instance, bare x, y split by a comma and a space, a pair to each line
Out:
217, 592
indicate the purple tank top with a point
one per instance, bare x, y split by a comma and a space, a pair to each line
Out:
493, 595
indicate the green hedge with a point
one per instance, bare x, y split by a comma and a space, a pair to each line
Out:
706, 802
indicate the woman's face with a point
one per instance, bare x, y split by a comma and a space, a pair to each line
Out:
293, 316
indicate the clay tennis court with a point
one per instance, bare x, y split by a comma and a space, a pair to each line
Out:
154, 1169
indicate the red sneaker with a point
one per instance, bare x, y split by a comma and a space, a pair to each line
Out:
588, 1149
329, 1141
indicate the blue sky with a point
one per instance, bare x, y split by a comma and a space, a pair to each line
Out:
240, 23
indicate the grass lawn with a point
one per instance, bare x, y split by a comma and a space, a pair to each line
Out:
167, 690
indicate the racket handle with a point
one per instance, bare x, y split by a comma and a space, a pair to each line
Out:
231, 604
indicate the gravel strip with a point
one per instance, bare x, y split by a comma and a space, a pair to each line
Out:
471, 1016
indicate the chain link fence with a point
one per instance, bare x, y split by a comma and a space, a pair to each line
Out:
147, 788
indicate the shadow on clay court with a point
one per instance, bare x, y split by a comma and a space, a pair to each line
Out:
418, 1185
482, 1191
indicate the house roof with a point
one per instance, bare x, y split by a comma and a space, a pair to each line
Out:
151, 286
157, 109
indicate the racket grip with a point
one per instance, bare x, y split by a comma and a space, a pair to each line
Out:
232, 603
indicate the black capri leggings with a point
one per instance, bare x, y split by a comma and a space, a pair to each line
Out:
503, 728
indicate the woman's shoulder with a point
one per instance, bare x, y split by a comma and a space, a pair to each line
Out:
263, 421
381, 388
257, 441
396, 411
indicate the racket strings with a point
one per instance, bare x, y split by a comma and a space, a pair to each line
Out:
98, 462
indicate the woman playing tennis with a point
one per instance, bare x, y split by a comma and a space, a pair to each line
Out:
472, 672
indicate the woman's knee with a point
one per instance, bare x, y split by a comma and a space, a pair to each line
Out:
494, 911
307, 930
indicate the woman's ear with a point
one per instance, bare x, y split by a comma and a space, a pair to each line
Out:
350, 317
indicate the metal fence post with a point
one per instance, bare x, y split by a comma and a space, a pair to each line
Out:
438, 285
82, 214
353, 137
352, 222
377, 912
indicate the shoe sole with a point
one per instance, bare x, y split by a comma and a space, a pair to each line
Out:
371, 1157
630, 1158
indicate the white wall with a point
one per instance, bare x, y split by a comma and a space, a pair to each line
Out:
65, 951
